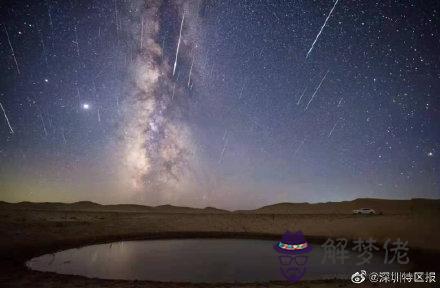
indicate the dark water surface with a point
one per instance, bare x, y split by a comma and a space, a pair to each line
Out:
197, 260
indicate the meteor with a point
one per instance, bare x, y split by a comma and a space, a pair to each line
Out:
12, 49
178, 44
7, 119
316, 90
190, 71
322, 28
333, 129
302, 94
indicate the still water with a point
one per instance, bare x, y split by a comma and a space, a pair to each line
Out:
198, 260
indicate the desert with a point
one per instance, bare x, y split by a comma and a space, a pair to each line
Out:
32, 229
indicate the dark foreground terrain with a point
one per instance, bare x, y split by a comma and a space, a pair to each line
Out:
30, 229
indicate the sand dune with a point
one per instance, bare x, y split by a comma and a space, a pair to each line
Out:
91, 206
383, 206
345, 207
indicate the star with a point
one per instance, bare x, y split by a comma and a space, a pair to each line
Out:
86, 106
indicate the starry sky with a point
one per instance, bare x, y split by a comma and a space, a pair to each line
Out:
232, 104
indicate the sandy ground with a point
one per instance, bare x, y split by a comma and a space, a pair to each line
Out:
28, 233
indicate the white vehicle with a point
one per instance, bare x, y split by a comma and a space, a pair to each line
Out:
365, 211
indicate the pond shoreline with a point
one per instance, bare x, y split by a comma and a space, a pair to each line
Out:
222, 247
26, 256
36, 237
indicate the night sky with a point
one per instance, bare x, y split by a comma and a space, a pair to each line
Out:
233, 104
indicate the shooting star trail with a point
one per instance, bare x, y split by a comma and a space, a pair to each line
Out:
42, 124
333, 129
117, 105
50, 23
7, 119
322, 28
212, 69
163, 45
116, 19
41, 42
302, 94
98, 110
78, 96
174, 85
225, 144
51, 126
76, 40
205, 61
12, 49
174, 90
316, 90
63, 136
340, 102
241, 91
142, 33
190, 71
225, 134
178, 44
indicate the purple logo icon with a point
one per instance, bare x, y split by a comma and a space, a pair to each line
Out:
292, 250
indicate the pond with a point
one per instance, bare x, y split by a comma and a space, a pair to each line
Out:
198, 260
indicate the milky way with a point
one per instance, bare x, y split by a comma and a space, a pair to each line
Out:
158, 144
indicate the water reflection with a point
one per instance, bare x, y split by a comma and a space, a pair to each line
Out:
193, 260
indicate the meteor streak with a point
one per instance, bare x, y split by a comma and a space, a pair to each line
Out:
340, 102
316, 90
178, 44
190, 70
322, 28
302, 94
12, 49
225, 145
333, 129
7, 119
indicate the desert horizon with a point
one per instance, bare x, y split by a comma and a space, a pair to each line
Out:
293, 207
